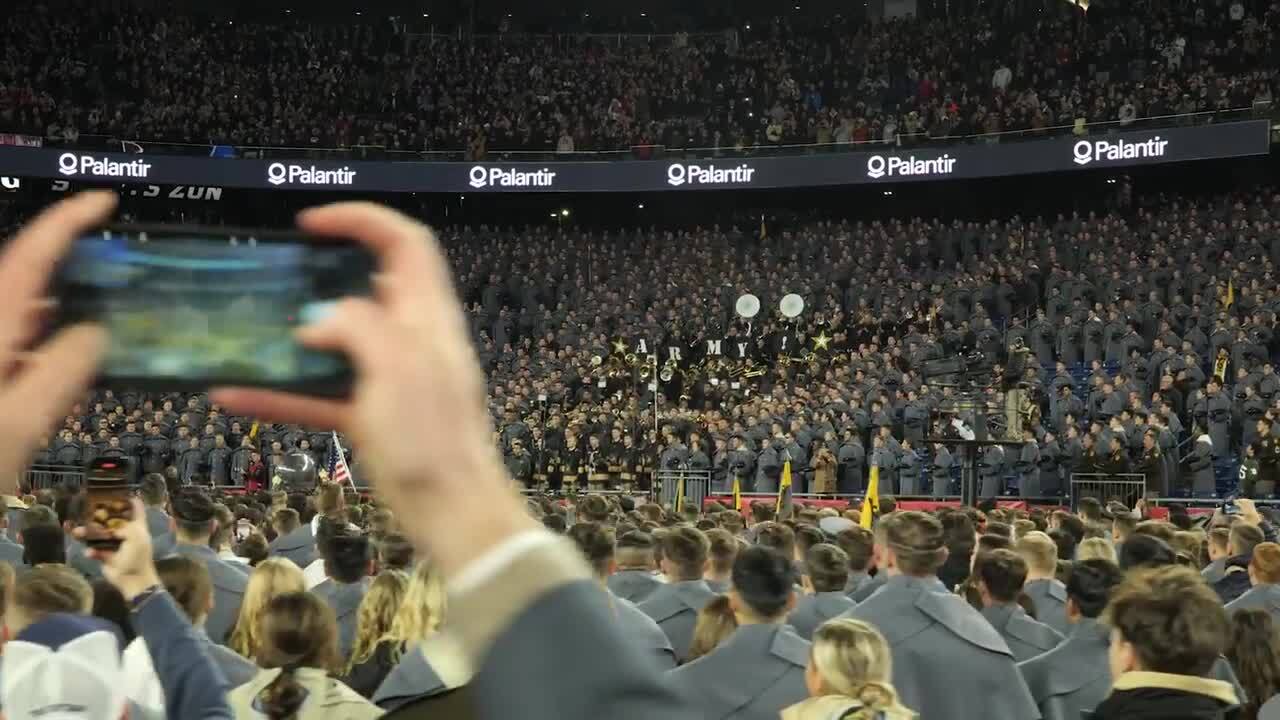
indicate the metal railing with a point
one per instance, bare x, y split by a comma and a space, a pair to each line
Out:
657, 152
46, 477
694, 485
1128, 488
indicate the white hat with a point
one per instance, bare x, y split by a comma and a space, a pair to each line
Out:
65, 667
1205, 439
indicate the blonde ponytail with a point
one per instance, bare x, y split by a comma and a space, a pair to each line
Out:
853, 660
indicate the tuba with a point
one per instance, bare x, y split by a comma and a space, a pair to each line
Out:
668, 371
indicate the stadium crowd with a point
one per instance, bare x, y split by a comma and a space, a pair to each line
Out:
267, 603
148, 76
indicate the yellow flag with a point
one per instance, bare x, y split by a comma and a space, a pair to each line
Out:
784, 490
680, 494
764, 231
871, 503
253, 431
737, 493
1231, 292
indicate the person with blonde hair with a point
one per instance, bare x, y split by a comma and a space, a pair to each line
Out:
1047, 593
716, 622
848, 676
426, 659
370, 660
298, 649
1096, 549
273, 576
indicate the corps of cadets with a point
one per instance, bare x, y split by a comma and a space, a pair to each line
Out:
184, 437
586, 337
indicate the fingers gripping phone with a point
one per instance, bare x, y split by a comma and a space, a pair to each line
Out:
188, 307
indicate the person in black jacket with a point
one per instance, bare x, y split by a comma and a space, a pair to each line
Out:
1243, 539
1167, 632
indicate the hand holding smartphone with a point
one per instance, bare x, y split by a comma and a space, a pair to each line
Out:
188, 308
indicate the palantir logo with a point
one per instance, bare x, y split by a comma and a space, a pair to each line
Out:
676, 174
1083, 152
479, 177
875, 167
277, 173
68, 163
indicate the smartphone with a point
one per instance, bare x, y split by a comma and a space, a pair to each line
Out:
1229, 506
188, 307
109, 500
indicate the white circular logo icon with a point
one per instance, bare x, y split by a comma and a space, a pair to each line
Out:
875, 166
276, 173
479, 176
68, 163
676, 174
1083, 151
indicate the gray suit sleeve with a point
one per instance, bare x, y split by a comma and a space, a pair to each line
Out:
548, 647
194, 687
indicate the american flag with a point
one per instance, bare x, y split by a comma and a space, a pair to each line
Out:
338, 470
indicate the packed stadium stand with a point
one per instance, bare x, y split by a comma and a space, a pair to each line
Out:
814, 362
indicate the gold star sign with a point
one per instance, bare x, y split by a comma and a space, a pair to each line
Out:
821, 341
619, 346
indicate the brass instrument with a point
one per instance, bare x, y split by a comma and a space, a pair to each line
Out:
596, 361
630, 359
668, 370
646, 372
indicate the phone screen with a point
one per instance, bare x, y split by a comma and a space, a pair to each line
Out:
108, 495
206, 306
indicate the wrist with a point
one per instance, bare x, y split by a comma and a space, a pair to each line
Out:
134, 585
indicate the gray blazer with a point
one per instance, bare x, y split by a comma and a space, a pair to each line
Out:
755, 673
813, 610
719, 587
1214, 571
1026, 637
868, 587
675, 607
934, 634
298, 546
229, 583
162, 539
1074, 677
633, 585
81, 562
412, 678
345, 599
643, 632
1259, 597
855, 583
1050, 597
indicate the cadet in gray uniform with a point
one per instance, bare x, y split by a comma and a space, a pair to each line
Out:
1074, 677
1001, 574
1048, 594
675, 605
596, 544
348, 559
759, 669
193, 515
633, 579
940, 470
989, 471
939, 641
827, 573
1028, 465
908, 469
1263, 572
